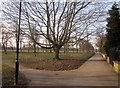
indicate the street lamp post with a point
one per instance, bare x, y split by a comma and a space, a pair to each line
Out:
17, 50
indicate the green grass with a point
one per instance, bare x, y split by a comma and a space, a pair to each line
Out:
11, 55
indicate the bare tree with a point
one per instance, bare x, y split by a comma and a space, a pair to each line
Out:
6, 36
56, 18
57, 22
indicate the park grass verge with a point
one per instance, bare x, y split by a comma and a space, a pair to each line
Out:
8, 77
41, 56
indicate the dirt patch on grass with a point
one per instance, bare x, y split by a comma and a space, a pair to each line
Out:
54, 65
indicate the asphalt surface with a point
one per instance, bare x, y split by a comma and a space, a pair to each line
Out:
94, 72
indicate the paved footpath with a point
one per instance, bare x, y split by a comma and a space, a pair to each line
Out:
94, 72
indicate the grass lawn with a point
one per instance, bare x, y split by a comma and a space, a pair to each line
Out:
8, 77
45, 61
41, 56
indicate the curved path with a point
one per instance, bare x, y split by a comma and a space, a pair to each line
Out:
94, 72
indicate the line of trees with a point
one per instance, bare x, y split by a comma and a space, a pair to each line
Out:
54, 21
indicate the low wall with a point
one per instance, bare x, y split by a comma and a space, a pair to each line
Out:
108, 60
116, 64
103, 55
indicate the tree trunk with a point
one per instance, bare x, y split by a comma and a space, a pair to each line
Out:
20, 46
56, 50
50, 49
34, 49
64, 49
5, 50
